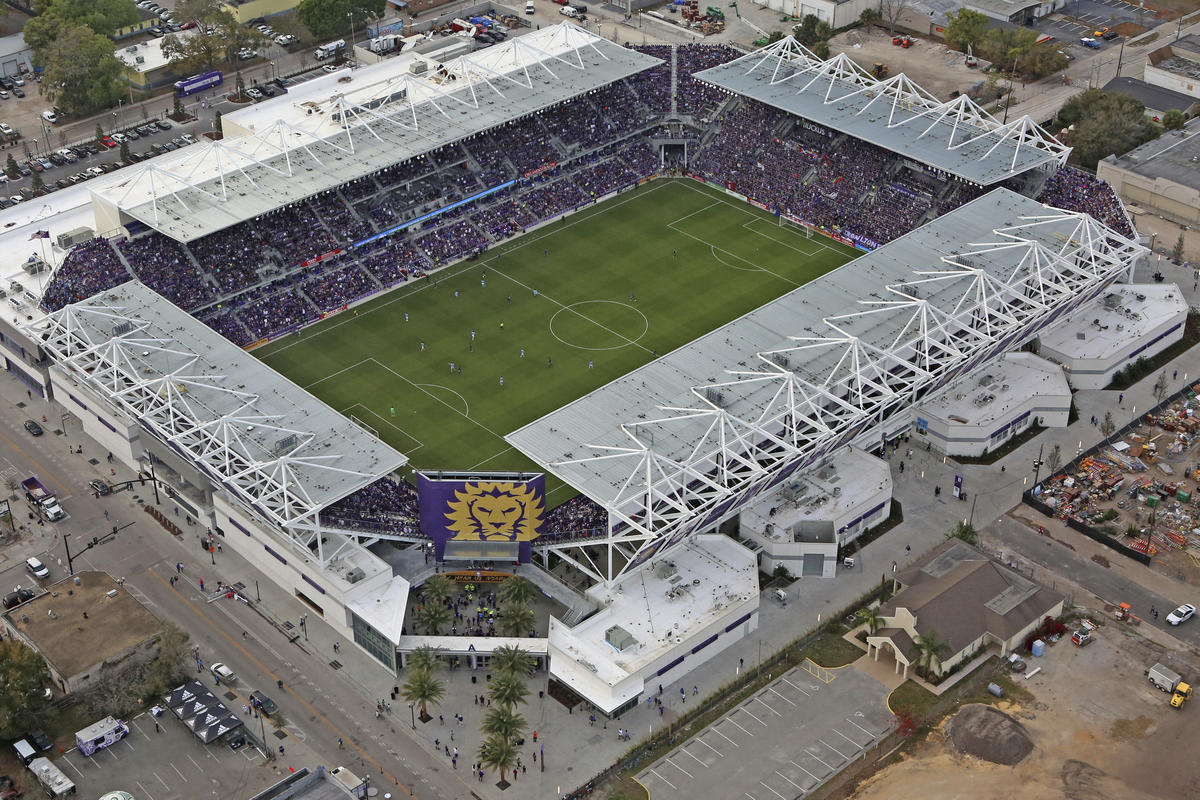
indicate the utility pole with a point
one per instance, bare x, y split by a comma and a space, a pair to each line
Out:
1037, 464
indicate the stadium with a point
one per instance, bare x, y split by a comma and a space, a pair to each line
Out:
561, 307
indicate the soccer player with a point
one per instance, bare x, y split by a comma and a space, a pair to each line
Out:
472, 336
422, 347
589, 363
406, 316
452, 366
501, 381
522, 352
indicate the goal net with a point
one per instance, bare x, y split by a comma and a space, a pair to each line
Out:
795, 227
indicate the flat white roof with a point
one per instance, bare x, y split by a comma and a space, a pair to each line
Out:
382, 608
1128, 312
713, 571
851, 478
150, 52
992, 392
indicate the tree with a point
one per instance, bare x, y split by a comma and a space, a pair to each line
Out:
891, 11
1107, 426
508, 690
102, 16
177, 110
10, 166
930, 652
424, 659
517, 590
870, 616
511, 661
36, 183
966, 27
1177, 252
217, 124
99, 133
327, 18
869, 17
514, 619
1174, 119
240, 85
22, 677
965, 531
503, 722
1103, 124
170, 663
432, 617
189, 55
206, 11
125, 152
422, 688
80, 72
1160, 387
1054, 459
438, 589
11, 483
498, 753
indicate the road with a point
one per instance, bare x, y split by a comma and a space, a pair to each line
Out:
319, 704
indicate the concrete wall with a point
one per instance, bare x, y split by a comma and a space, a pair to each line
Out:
1163, 197
250, 9
1171, 80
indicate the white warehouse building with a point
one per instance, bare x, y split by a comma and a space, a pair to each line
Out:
983, 410
1131, 321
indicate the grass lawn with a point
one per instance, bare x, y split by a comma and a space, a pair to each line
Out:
556, 314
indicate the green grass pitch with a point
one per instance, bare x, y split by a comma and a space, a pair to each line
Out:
617, 283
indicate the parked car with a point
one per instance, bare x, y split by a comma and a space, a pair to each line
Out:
99, 487
163, 124
34, 165
68, 155
108, 142
263, 703
33, 428
18, 80
36, 568
268, 90
222, 673
18, 596
187, 138
18, 91
119, 137
1181, 614
38, 738
1092, 43
7, 129
50, 117
254, 93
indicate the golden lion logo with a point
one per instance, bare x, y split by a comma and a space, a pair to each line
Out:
495, 512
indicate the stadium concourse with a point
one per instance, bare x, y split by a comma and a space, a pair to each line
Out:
258, 262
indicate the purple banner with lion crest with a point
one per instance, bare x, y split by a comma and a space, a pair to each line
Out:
503, 507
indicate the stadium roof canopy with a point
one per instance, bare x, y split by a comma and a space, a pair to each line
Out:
390, 114
680, 443
272, 445
956, 136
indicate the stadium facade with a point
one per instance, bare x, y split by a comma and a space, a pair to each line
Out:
669, 452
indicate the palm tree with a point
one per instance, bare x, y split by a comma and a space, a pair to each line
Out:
423, 688
931, 651
503, 722
517, 590
508, 690
511, 661
437, 589
514, 619
424, 659
432, 617
499, 754
965, 531
871, 617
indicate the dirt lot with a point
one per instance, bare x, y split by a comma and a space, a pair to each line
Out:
1099, 731
932, 65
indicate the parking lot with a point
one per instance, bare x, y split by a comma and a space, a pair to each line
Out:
168, 763
782, 743
1084, 17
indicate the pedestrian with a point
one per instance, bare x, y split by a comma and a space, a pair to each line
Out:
202, 584
1120, 398
446, 747
179, 567
535, 737
901, 467
441, 720
514, 773
341, 744
452, 734
481, 776
908, 549
455, 750
280, 749
156, 728
171, 581
695, 691
454, 762
1174, 374
893, 566
522, 769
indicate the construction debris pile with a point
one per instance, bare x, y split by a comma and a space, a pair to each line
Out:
711, 21
1142, 490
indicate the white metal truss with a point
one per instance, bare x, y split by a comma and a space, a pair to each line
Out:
841, 82
821, 392
267, 464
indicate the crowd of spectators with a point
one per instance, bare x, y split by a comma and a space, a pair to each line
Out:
386, 504
288, 267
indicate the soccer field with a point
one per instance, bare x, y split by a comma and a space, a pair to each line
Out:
543, 319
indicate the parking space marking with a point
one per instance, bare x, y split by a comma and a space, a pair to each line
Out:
861, 728
138, 728
857, 746
834, 749
817, 758
739, 727
160, 780
773, 711
781, 697
676, 766
710, 747
189, 758
177, 772
752, 797
661, 778
698, 761
797, 688
747, 713
726, 738
806, 772
772, 791
145, 791
71, 764
789, 780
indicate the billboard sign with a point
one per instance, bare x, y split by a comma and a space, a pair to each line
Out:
503, 507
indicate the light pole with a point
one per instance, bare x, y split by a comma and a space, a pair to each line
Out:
304, 625
34, 142
412, 713
114, 122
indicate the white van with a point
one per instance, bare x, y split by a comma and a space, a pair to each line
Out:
567, 11
25, 751
529, 9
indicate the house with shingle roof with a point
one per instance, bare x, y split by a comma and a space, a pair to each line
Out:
967, 601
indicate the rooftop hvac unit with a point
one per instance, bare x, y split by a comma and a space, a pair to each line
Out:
131, 49
355, 575
418, 67
140, 60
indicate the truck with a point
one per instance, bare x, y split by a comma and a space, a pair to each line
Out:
1168, 680
329, 50
42, 499
99, 735
54, 782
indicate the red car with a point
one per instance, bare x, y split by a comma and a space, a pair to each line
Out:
563, 2
108, 142
187, 26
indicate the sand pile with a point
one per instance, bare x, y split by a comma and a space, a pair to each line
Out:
990, 734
